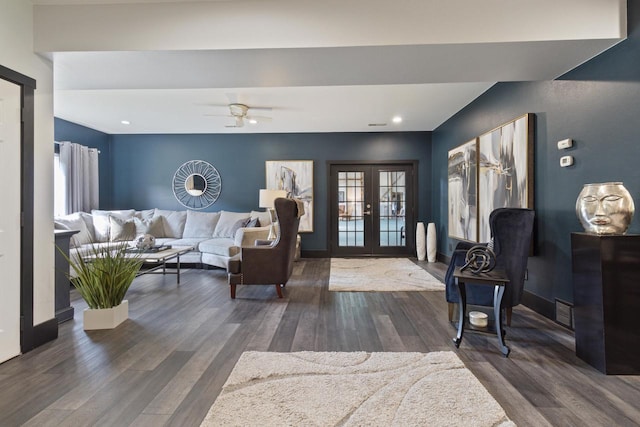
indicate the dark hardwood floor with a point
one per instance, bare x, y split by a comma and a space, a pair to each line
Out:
168, 362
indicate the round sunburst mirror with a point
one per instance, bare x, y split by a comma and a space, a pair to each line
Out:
197, 184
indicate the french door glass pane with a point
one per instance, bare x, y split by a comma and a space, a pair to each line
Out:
350, 209
392, 197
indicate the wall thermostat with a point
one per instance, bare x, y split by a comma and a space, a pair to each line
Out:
566, 161
565, 143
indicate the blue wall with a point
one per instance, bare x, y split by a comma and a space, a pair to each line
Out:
68, 131
598, 106
143, 167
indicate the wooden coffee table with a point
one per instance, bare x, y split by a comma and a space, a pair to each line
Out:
159, 259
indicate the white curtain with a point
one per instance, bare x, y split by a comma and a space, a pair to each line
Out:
79, 166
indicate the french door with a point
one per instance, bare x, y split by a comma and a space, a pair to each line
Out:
371, 208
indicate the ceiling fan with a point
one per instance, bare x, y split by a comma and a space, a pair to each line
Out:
240, 112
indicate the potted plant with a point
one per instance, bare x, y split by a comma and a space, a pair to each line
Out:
102, 279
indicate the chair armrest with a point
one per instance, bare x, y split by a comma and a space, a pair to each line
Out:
234, 264
247, 236
263, 242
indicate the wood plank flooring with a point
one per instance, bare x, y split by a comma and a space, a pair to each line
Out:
166, 365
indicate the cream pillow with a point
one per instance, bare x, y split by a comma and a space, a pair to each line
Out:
200, 224
101, 223
76, 221
228, 223
173, 222
121, 230
263, 217
153, 226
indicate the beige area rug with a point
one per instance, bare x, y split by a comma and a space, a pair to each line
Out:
353, 389
380, 275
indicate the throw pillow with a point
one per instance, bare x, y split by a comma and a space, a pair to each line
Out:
253, 222
145, 214
75, 221
151, 226
173, 222
101, 222
263, 217
200, 224
238, 225
121, 230
226, 226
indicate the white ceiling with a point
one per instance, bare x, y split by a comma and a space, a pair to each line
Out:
337, 66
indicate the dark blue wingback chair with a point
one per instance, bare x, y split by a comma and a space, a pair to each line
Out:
511, 231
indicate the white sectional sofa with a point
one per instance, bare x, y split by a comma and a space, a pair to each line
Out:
216, 236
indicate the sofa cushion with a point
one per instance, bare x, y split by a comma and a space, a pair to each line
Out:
77, 221
228, 223
153, 226
200, 224
173, 222
121, 230
219, 246
101, 222
188, 241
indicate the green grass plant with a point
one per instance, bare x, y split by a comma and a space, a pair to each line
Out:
103, 278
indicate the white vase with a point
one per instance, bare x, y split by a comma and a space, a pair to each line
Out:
431, 242
105, 318
421, 249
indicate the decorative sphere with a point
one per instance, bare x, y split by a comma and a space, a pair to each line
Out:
605, 208
145, 241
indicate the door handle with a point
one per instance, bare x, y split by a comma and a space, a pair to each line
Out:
366, 213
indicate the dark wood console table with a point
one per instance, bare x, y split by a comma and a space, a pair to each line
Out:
496, 278
63, 308
606, 298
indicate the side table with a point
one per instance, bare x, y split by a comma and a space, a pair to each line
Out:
496, 278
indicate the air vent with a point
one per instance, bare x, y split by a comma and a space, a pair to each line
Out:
377, 124
564, 313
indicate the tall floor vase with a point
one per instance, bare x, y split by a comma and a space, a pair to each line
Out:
421, 249
431, 242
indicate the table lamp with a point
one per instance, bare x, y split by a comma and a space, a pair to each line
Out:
267, 199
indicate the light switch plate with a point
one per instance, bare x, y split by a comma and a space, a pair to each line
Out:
565, 143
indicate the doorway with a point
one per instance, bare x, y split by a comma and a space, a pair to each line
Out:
10, 227
372, 208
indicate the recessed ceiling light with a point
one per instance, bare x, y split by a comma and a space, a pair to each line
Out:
125, 122
253, 121
397, 119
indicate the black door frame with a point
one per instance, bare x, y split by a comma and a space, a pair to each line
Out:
410, 226
28, 86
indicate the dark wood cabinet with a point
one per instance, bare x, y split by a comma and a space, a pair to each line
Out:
64, 310
606, 294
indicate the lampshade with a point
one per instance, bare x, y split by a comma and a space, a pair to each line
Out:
267, 197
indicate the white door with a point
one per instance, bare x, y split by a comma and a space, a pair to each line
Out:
9, 220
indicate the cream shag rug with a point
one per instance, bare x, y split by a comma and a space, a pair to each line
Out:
353, 389
379, 275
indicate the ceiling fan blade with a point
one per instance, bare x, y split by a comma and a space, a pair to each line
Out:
259, 118
218, 115
260, 108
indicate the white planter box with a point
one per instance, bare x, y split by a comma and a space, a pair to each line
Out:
105, 318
